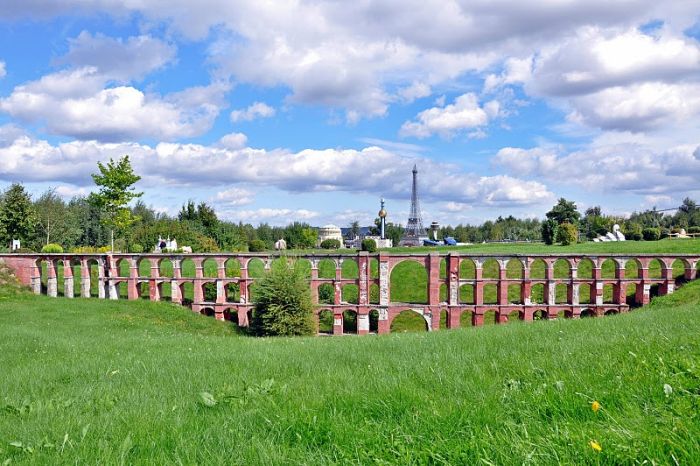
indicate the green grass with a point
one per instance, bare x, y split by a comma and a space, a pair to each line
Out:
88, 381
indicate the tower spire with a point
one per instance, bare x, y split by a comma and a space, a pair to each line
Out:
415, 232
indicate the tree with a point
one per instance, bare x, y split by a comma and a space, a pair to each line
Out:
17, 215
55, 221
564, 211
354, 229
116, 180
283, 306
549, 231
567, 234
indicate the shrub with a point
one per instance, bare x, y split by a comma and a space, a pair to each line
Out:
369, 245
84, 250
25, 251
120, 245
104, 249
204, 244
549, 231
52, 248
651, 234
330, 244
257, 245
136, 248
567, 234
283, 302
633, 231
693, 230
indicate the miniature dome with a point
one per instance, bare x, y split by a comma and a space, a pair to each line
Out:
382, 213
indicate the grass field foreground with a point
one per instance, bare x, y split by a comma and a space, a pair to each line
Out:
87, 381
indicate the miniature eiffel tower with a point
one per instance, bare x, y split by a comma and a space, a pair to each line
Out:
414, 233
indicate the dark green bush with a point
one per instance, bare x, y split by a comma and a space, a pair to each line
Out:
549, 231
257, 245
567, 234
283, 305
693, 230
651, 234
136, 248
52, 248
330, 244
369, 245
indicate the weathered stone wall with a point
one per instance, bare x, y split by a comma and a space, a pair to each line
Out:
42, 273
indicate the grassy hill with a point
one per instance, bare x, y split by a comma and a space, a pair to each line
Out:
87, 381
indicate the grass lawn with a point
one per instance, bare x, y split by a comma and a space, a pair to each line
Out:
88, 381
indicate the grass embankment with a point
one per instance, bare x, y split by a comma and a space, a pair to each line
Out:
87, 381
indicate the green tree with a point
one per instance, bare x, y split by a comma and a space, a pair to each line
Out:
567, 234
549, 231
116, 180
283, 304
17, 215
354, 229
55, 221
564, 211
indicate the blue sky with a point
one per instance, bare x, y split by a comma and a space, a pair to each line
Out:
282, 111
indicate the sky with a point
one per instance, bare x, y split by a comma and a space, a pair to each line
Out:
314, 110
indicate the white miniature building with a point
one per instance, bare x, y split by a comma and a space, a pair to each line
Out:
280, 244
329, 232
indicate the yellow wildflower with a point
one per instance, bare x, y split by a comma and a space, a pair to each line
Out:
596, 446
595, 406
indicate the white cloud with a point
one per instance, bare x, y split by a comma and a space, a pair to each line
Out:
119, 59
233, 141
3, 73
464, 113
234, 197
415, 91
75, 103
253, 112
69, 191
273, 216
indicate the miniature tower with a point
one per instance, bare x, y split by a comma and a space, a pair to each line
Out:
414, 233
382, 221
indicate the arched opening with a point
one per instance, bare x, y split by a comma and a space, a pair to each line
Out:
123, 290
515, 269
491, 269
374, 293
304, 266
465, 319
585, 268
326, 294
144, 267
585, 293
60, 278
539, 314
514, 317
632, 268
326, 268
250, 319
232, 267
490, 317
252, 292
349, 322
443, 319
656, 268
231, 316
562, 293
587, 313
165, 268
467, 269
373, 268
443, 269
609, 268
124, 267
349, 269
94, 275
373, 321
350, 294
443, 293
490, 294
207, 311
209, 292
515, 294
187, 293
679, 267
537, 293
210, 269
187, 268
562, 269
256, 268
409, 283
611, 312
325, 322
77, 277
143, 288
466, 294
233, 293
608, 293
538, 269
408, 321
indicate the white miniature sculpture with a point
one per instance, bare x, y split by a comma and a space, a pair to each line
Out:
15, 245
169, 246
280, 244
618, 234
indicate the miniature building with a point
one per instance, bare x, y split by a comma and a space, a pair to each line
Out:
329, 232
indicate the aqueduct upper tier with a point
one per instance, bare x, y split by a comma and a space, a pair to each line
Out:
373, 289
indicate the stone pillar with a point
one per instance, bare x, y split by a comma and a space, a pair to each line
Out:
153, 289
363, 285
199, 276
690, 270
68, 281
668, 286
175, 292
85, 278
434, 279
550, 286
102, 281
502, 283
133, 290
453, 317
642, 294
243, 282
384, 290
51, 279
526, 285
478, 284
338, 323
363, 322
477, 319
337, 284
36, 277
383, 325
452, 264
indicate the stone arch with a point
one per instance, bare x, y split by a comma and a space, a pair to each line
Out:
490, 293
409, 321
443, 293
373, 268
466, 294
326, 293
256, 268
585, 268
187, 268
679, 267
515, 293
143, 288
465, 318
207, 311
210, 268
656, 268
325, 321
490, 269
94, 274
608, 268
539, 314
515, 269
232, 292
350, 294
632, 268
561, 293
123, 266
305, 266
515, 316
349, 321
490, 317
409, 283
587, 313
562, 268
252, 291
232, 266
374, 293
608, 293
326, 268
231, 316
373, 321
467, 269
537, 294
538, 269
123, 289
611, 312
165, 268
209, 291
443, 269
187, 292
143, 264
349, 269
586, 293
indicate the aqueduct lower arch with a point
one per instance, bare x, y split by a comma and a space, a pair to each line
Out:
606, 279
